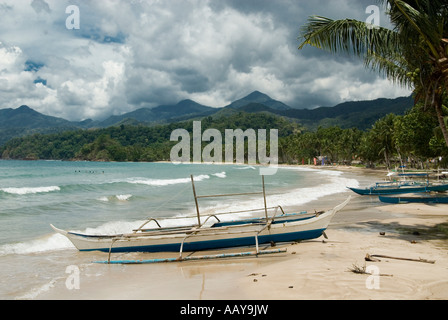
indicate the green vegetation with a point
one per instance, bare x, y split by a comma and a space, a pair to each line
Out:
409, 139
128, 142
413, 53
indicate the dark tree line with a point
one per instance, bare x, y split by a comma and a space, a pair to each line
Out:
411, 139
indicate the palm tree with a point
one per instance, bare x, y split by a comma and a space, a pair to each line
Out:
414, 53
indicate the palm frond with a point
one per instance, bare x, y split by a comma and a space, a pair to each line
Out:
413, 53
413, 22
348, 36
394, 67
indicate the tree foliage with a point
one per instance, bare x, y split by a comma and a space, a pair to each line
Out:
413, 53
393, 139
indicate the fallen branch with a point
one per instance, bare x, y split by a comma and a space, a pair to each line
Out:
357, 269
362, 270
370, 257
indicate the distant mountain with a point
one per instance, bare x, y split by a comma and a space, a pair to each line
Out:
360, 114
185, 107
25, 117
261, 98
188, 109
161, 114
25, 121
357, 114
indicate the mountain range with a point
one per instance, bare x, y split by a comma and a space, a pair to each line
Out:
360, 114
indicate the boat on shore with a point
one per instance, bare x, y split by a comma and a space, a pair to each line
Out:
204, 236
409, 184
384, 189
415, 198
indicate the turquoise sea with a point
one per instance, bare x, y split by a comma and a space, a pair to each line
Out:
108, 198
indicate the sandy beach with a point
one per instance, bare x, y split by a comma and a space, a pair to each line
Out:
413, 263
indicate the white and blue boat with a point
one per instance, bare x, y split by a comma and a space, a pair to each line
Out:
400, 188
220, 234
403, 186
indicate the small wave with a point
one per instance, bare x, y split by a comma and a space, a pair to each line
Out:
219, 175
123, 197
119, 197
336, 183
295, 198
34, 293
30, 190
47, 243
246, 167
166, 182
104, 199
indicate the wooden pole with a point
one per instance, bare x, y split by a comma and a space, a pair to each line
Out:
370, 257
264, 198
206, 257
196, 201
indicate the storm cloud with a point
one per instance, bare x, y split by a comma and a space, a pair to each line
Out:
132, 54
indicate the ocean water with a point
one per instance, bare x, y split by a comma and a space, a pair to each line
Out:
108, 198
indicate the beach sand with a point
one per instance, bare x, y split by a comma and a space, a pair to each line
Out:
316, 269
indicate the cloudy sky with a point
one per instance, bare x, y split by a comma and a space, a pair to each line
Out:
129, 54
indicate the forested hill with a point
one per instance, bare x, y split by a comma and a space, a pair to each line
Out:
130, 142
360, 114
356, 114
414, 136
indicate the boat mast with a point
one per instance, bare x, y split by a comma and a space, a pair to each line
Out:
196, 201
264, 198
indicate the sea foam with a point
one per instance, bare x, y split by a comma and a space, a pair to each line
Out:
30, 190
46, 243
166, 182
220, 175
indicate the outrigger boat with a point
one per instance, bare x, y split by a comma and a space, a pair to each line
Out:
203, 236
415, 198
396, 189
404, 186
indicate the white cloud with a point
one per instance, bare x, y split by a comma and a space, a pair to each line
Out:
131, 54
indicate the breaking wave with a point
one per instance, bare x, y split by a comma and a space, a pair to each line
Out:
219, 175
30, 190
166, 182
119, 197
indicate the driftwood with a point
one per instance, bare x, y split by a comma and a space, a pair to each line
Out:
371, 257
362, 270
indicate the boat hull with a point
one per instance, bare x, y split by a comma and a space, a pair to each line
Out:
404, 199
150, 246
209, 237
388, 191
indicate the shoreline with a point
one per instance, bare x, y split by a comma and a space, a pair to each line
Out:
315, 269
